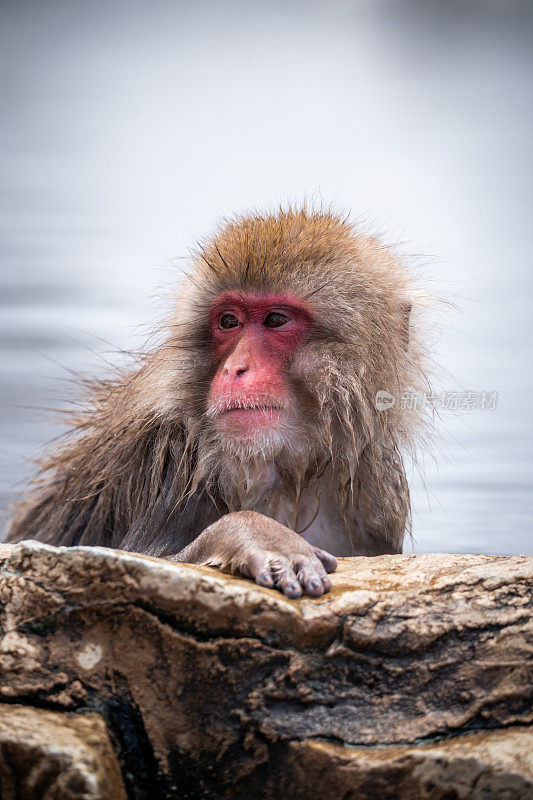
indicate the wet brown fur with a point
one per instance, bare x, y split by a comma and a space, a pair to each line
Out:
141, 468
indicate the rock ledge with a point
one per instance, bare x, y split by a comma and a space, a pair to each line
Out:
412, 678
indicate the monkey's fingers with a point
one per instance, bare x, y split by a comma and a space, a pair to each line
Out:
257, 566
304, 573
285, 577
329, 561
312, 575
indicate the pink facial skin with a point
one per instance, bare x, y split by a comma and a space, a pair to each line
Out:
254, 337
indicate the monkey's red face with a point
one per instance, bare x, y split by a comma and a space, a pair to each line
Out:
254, 339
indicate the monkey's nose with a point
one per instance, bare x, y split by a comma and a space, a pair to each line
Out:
231, 372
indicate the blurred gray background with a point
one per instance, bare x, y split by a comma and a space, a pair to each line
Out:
130, 128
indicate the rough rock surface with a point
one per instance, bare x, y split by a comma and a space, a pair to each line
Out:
411, 679
45, 755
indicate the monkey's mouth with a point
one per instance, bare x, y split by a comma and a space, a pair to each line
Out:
231, 409
249, 417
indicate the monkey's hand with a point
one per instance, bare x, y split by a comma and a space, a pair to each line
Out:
250, 544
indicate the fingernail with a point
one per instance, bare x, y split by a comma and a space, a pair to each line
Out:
266, 579
314, 584
293, 590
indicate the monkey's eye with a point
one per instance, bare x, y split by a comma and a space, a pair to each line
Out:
276, 320
228, 321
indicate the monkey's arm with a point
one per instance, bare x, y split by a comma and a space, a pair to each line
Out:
79, 507
257, 547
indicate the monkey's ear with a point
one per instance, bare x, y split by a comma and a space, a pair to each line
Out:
405, 312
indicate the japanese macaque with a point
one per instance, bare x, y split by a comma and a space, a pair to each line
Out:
251, 440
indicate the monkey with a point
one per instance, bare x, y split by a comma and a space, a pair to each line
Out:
250, 440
